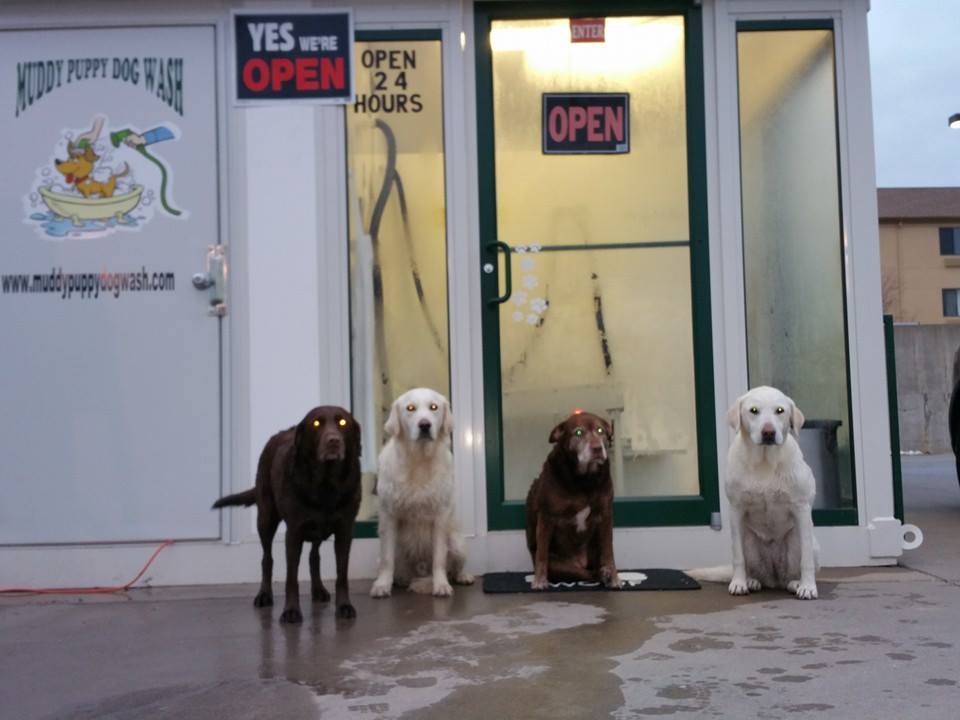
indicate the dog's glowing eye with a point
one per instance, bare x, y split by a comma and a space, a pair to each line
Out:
411, 407
433, 406
316, 423
578, 432
754, 411
779, 411
600, 431
341, 422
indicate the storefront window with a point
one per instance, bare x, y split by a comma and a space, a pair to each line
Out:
793, 253
600, 315
397, 222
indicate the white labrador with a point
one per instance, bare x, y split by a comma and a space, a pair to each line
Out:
420, 542
771, 491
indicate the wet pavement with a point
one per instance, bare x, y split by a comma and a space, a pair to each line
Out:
880, 643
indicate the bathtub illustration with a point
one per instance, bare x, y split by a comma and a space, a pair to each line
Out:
79, 209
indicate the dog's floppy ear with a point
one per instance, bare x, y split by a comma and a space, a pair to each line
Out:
393, 425
300, 445
558, 432
607, 428
796, 419
355, 438
733, 414
446, 425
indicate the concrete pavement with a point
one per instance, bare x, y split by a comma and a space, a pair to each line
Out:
880, 643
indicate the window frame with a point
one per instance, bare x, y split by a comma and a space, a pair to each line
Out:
369, 528
821, 516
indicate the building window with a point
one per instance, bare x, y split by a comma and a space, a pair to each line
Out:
951, 302
792, 232
949, 242
397, 231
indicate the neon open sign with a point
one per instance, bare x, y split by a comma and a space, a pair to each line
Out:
584, 123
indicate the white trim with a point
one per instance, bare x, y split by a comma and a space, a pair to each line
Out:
207, 563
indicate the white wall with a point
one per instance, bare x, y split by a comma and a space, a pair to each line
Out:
287, 327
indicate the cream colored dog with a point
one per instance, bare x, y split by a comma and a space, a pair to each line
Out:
420, 542
771, 491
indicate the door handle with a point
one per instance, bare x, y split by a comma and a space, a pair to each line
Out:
508, 277
214, 279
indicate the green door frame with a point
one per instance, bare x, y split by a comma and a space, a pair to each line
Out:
504, 514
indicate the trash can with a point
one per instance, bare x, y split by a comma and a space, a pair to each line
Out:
818, 442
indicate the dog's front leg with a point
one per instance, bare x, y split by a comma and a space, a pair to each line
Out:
608, 567
383, 585
738, 584
317, 590
291, 606
341, 547
807, 588
441, 584
542, 559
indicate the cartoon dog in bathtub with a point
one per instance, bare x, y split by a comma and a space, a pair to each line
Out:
78, 170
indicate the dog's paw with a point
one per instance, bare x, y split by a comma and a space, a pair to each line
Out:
346, 611
539, 583
739, 586
263, 599
610, 579
753, 585
464, 578
804, 591
380, 590
320, 594
442, 589
291, 616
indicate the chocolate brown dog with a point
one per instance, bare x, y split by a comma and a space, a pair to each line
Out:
309, 477
570, 506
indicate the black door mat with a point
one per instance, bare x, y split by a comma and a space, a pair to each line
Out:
652, 579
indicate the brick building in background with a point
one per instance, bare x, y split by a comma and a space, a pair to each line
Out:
920, 254
920, 259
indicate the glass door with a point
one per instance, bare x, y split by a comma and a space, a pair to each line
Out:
594, 256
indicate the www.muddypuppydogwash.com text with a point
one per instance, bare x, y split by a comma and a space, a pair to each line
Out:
87, 285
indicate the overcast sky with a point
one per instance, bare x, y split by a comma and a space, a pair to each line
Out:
915, 68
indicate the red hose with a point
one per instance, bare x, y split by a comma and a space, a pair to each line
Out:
87, 590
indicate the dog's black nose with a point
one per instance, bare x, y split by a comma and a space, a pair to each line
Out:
768, 437
425, 426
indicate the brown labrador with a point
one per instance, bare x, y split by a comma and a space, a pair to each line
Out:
309, 477
570, 506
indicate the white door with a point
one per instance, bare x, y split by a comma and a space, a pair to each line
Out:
110, 424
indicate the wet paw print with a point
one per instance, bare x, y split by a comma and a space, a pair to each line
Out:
537, 306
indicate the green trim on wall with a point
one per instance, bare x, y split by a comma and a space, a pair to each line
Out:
893, 410
763, 25
398, 35
835, 516
693, 510
365, 529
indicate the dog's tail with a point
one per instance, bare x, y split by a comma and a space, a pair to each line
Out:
245, 498
717, 574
